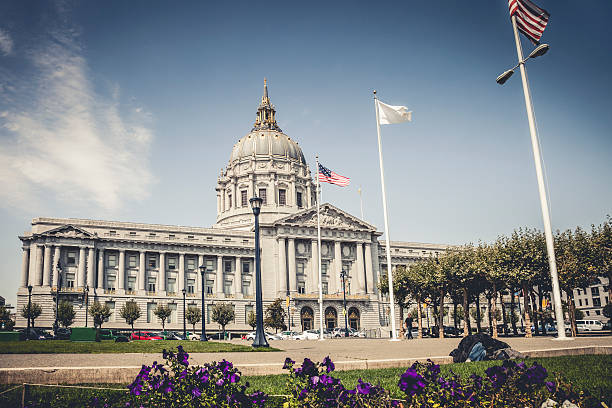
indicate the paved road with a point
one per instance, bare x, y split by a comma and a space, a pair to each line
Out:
350, 349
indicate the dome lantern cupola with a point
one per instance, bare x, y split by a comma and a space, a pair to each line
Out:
265, 113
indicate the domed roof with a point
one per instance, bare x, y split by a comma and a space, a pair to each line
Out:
267, 143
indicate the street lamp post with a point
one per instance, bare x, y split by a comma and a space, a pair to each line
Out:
343, 276
184, 312
29, 310
202, 273
57, 294
260, 336
86, 303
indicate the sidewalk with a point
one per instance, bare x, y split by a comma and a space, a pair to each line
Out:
347, 354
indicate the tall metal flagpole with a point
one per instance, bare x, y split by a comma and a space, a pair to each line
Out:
388, 240
321, 317
542, 188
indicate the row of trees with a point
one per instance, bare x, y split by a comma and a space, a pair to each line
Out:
512, 264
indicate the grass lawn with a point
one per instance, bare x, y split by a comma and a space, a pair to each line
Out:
109, 346
591, 373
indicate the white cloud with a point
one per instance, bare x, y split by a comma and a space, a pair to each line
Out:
64, 142
6, 42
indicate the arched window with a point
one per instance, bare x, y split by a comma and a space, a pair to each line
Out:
353, 318
306, 317
331, 318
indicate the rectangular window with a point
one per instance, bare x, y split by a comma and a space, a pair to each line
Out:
209, 286
132, 261
587, 313
324, 268
595, 291
111, 306
71, 258
112, 260
131, 283
152, 262
228, 266
171, 236
171, 285
172, 317
324, 288
70, 280
263, 194
579, 302
112, 233
300, 267
227, 287
586, 301
301, 287
110, 282
229, 197
191, 286
243, 198
191, 264
172, 263
282, 197
210, 265
598, 312
150, 314
246, 268
597, 302
298, 199
132, 233
151, 284
246, 288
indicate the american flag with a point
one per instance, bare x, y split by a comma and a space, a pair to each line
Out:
328, 176
531, 20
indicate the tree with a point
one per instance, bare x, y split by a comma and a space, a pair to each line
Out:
601, 239
163, 312
222, 313
99, 313
193, 316
130, 312
6, 322
252, 320
275, 316
65, 313
31, 312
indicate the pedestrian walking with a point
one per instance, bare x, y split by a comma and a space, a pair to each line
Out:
408, 323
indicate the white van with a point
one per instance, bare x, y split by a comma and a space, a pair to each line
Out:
589, 325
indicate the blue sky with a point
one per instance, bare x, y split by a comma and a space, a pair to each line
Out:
128, 110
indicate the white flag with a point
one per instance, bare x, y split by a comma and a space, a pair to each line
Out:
393, 114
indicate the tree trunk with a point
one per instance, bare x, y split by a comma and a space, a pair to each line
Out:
512, 307
572, 312
401, 315
494, 311
527, 312
467, 329
534, 306
478, 317
489, 317
455, 314
503, 308
541, 309
441, 314
419, 318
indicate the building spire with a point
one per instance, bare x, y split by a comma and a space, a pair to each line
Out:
265, 119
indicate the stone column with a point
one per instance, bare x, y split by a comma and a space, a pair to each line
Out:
56, 272
25, 266
238, 278
335, 274
81, 276
282, 267
219, 277
162, 272
142, 272
47, 266
91, 269
181, 274
101, 269
314, 277
292, 270
369, 270
361, 279
198, 288
38, 268
121, 277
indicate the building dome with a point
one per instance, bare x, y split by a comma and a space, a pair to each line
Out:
268, 143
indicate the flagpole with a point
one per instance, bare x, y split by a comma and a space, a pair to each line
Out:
386, 217
319, 253
542, 189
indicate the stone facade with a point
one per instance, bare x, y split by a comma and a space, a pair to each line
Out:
113, 262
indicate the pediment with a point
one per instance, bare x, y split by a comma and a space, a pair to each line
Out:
68, 231
330, 217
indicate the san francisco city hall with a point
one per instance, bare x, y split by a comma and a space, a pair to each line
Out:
113, 262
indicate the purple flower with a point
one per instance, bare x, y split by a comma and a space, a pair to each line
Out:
328, 364
364, 387
498, 375
220, 382
167, 386
536, 374
196, 392
288, 363
411, 382
234, 378
551, 386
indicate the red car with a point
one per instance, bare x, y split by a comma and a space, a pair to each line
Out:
145, 336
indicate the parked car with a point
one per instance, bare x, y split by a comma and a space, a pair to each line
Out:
108, 334
313, 334
339, 332
589, 325
34, 334
63, 333
287, 335
269, 336
141, 335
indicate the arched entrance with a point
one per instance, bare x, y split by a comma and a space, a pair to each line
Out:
306, 317
353, 318
331, 318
